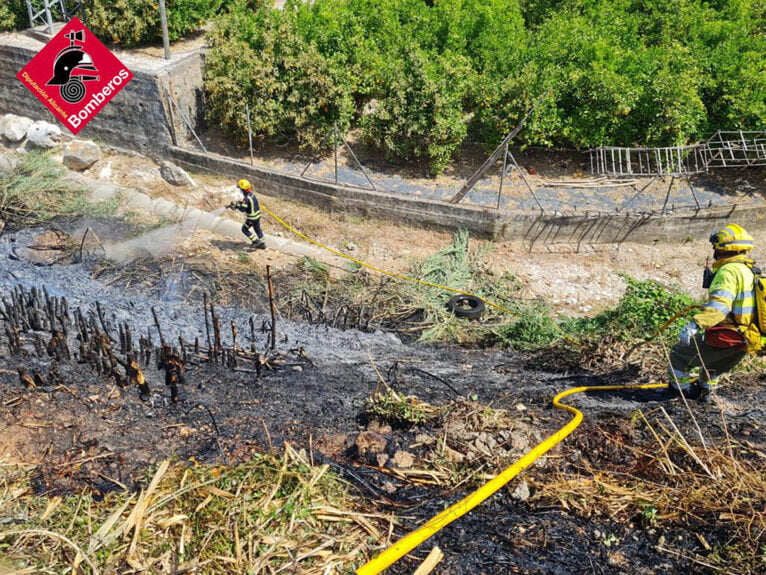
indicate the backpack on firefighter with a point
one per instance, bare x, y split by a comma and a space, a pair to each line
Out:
759, 316
734, 238
755, 332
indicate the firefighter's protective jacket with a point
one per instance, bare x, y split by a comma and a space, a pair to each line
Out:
249, 205
731, 299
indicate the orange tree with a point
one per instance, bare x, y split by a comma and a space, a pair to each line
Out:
417, 79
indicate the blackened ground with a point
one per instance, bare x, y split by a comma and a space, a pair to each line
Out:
88, 431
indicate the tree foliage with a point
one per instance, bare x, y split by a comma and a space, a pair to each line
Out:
419, 78
13, 15
131, 22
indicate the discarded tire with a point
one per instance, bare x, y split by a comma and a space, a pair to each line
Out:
466, 306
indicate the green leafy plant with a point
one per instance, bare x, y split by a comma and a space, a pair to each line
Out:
13, 15
533, 328
649, 514
400, 409
131, 22
644, 307
293, 91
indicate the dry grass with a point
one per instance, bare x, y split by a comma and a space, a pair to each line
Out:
679, 481
270, 515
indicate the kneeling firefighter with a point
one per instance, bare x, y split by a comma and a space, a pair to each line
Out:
724, 331
249, 205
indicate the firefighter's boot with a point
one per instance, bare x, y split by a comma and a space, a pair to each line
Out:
684, 384
708, 389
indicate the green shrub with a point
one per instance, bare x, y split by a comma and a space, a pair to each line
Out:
533, 328
644, 307
13, 15
131, 22
419, 113
292, 90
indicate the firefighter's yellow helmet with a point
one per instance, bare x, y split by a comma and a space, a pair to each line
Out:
244, 185
732, 238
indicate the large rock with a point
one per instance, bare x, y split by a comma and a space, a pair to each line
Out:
175, 175
14, 128
81, 154
43, 135
370, 442
8, 164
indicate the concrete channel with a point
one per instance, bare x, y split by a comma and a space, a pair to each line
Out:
145, 117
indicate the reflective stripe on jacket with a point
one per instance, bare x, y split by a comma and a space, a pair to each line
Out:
249, 205
731, 299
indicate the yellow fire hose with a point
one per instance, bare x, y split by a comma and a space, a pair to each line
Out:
438, 522
379, 270
399, 276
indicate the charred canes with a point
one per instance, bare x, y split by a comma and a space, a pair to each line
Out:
174, 368
34, 324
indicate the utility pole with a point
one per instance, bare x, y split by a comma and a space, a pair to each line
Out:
164, 23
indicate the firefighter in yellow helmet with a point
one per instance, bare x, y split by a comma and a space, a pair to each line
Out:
720, 334
249, 205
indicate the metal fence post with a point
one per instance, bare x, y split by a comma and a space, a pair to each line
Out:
164, 23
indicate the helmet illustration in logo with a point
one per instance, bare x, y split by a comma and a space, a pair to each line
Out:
68, 68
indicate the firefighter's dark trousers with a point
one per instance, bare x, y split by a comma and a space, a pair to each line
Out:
712, 361
249, 226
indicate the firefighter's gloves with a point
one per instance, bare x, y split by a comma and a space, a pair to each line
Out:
687, 333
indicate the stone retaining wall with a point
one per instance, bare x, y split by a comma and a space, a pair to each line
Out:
487, 223
135, 118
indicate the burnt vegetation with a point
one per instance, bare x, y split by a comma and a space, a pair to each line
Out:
167, 416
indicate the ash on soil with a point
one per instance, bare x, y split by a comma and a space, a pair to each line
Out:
88, 431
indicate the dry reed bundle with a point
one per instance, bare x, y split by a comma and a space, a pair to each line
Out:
270, 515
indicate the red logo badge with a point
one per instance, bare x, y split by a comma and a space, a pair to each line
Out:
75, 75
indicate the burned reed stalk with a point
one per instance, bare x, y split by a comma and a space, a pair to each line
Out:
273, 309
14, 339
216, 333
128, 338
135, 376
233, 361
121, 333
174, 368
101, 318
39, 345
57, 346
50, 308
159, 327
65, 311
207, 323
